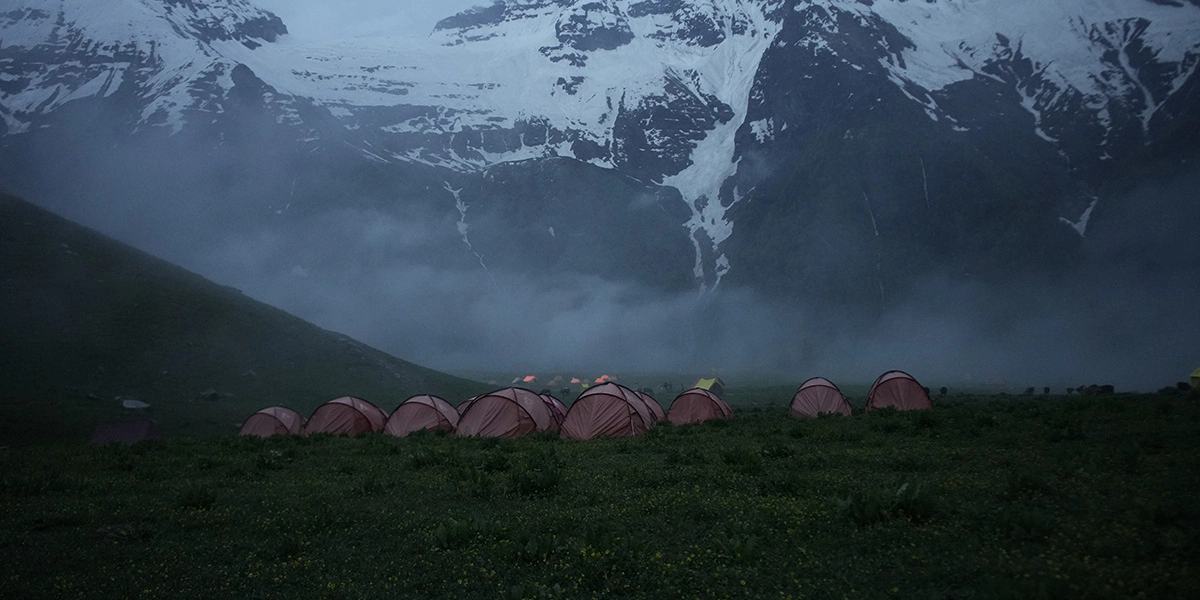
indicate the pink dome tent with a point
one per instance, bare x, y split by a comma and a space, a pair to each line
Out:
656, 409
345, 416
421, 413
557, 408
818, 395
697, 405
510, 413
273, 420
899, 390
609, 410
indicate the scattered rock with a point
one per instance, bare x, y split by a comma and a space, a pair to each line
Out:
210, 395
133, 403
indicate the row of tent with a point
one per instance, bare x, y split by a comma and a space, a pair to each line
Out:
893, 389
606, 410
609, 410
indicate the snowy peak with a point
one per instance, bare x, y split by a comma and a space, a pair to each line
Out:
589, 25
709, 97
224, 20
161, 53
30, 22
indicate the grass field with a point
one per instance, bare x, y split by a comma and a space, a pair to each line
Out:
983, 497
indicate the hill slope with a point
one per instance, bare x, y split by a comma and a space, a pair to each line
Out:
85, 319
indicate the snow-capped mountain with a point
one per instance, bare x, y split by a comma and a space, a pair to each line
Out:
802, 136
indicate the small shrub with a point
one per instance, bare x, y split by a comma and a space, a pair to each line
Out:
127, 532
496, 462
864, 509
540, 475
869, 508
783, 484
423, 457
1024, 483
599, 536
691, 456
271, 460
1026, 524
196, 497
744, 460
907, 464
452, 532
911, 504
738, 548
32, 484
778, 451
986, 421
533, 592
289, 547
370, 486
926, 419
533, 547
480, 485
848, 436
886, 425
1066, 430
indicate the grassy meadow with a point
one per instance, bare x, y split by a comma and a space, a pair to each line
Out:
982, 497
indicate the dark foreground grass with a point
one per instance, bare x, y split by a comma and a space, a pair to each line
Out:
980, 498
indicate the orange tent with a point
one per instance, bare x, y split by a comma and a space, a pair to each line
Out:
696, 405
609, 410
655, 407
818, 395
345, 416
510, 412
273, 420
899, 390
421, 413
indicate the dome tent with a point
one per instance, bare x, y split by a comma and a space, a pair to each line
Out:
421, 413
126, 433
557, 408
696, 405
273, 420
898, 390
510, 413
655, 408
345, 416
818, 395
462, 408
609, 410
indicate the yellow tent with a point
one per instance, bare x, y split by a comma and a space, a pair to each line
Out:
712, 384
1196, 379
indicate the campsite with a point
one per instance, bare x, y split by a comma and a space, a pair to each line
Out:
631, 299
980, 497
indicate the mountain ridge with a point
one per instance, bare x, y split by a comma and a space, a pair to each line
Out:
86, 319
721, 101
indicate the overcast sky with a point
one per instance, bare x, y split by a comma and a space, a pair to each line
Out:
318, 19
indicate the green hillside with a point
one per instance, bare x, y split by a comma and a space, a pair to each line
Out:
85, 319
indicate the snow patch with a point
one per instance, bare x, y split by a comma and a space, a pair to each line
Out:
763, 129
1080, 225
